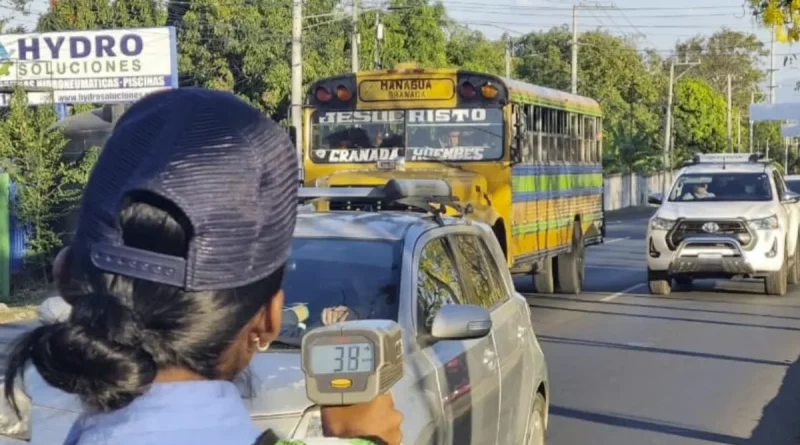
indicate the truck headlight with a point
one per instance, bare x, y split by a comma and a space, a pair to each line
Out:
769, 223
11, 425
661, 223
310, 424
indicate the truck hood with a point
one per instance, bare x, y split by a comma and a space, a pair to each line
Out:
721, 210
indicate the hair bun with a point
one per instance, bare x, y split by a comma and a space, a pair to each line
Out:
106, 364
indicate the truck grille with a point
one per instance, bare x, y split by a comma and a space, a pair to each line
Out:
729, 229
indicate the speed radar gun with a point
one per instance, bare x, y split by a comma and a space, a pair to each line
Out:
352, 362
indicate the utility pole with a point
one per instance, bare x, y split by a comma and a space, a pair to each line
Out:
752, 101
378, 39
297, 79
355, 39
730, 119
508, 59
575, 49
772, 69
738, 131
668, 120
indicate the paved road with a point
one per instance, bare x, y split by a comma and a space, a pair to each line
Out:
715, 365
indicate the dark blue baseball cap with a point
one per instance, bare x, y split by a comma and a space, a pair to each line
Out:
220, 161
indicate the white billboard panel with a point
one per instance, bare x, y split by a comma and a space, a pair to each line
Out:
104, 66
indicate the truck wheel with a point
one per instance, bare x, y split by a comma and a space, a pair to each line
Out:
659, 283
571, 265
543, 278
794, 269
776, 283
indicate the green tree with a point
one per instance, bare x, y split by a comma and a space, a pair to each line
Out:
69, 15
739, 54
784, 15
627, 84
47, 187
700, 120
471, 50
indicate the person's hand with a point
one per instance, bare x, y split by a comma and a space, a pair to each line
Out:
378, 418
335, 314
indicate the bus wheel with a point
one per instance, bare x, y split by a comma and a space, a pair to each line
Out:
543, 278
570, 265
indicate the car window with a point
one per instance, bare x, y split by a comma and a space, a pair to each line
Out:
437, 281
722, 186
794, 185
361, 275
481, 274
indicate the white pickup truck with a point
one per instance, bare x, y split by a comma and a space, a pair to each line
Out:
725, 216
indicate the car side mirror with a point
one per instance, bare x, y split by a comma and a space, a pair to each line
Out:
461, 322
790, 197
655, 198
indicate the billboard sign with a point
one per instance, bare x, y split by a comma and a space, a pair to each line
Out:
103, 66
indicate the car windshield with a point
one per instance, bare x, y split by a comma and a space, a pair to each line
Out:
324, 273
468, 134
716, 187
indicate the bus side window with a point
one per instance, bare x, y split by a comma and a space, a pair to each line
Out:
537, 133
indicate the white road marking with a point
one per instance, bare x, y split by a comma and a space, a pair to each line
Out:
592, 266
615, 240
621, 293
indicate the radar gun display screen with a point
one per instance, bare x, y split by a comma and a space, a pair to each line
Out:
352, 362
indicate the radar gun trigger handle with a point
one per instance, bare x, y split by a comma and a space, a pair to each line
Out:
352, 362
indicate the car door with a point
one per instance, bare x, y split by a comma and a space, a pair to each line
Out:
464, 368
486, 287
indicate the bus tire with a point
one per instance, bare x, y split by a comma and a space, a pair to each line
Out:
571, 265
543, 278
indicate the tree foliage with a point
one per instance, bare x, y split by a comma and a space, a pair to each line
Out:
47, 186
700, 125
783, 15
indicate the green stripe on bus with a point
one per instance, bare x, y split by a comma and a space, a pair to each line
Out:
541, 183
550, 224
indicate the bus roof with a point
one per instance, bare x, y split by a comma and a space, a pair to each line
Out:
529, 93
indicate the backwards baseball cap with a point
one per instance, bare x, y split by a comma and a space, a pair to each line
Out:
230, 170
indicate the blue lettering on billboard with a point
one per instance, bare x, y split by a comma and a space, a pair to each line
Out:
129, 45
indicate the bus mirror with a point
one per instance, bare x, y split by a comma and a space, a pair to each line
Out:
516, 149
293, 135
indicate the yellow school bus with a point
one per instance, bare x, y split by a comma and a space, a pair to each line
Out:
527, 158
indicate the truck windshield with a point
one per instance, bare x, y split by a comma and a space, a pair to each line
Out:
715, 187
460, 134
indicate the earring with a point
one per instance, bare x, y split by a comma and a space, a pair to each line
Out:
259, 346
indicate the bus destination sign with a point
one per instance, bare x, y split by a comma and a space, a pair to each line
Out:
419, 89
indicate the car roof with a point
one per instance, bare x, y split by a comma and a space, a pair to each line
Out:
728, 168
386, 225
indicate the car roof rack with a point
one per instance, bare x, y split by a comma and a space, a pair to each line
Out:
727, 158
429, 195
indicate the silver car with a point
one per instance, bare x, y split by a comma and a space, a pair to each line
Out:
403, 266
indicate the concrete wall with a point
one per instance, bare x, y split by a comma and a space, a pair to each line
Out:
621, 191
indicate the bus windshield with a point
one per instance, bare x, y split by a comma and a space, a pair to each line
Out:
452, 134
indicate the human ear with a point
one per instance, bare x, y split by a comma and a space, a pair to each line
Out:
267, 322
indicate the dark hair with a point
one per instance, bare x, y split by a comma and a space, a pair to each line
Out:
122, 330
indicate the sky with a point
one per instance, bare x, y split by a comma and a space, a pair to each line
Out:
655, 23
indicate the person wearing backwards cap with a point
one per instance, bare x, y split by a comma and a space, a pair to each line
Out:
174, 280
